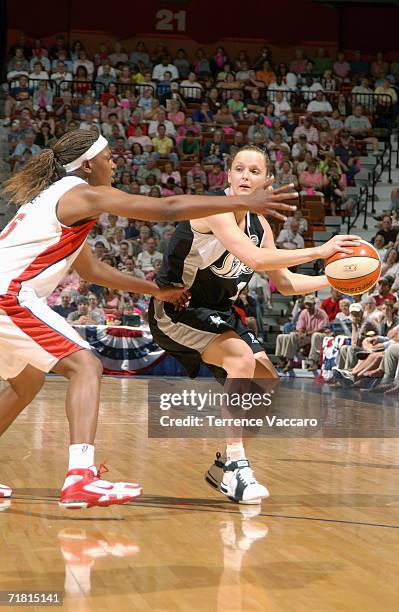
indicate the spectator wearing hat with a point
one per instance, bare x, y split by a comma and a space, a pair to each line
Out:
310, 327
384, 291
347, 356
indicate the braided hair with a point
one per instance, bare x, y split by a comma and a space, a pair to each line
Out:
47, 167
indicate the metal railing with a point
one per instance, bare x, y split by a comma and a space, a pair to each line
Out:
361, 207
384, 162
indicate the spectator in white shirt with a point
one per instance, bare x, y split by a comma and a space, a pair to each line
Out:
363, 92
16, 72
279, 85
290, 238
190, 89
61, 75
320, 105
309, 89
83, 60
301, 147
281, 106
44, 61
37, 75
166, 66
147, 258
161, 119
106, 69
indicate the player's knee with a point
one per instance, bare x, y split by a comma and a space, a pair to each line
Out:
240, 366
81, 363
94, 366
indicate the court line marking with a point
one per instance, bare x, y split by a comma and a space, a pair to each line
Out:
145, 504
283, 516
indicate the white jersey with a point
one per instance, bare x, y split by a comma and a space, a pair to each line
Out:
36, 249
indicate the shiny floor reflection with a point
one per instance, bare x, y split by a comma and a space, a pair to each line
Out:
326, 540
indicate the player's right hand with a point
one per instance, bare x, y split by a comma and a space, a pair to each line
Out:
267, 201
339, 244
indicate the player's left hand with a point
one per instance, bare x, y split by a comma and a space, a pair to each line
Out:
179, 296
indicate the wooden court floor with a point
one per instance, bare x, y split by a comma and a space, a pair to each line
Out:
326, 540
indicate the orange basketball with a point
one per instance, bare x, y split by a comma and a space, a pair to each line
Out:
355, 273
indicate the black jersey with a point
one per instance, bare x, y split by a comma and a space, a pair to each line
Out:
201, 262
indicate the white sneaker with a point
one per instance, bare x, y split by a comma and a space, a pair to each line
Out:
222, 479
344, 376
240, 485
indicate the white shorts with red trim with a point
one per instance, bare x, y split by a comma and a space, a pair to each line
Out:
33, 334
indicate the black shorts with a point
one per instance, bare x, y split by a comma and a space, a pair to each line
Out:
185, 334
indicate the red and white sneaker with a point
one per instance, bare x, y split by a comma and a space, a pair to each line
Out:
90, 490
5, 491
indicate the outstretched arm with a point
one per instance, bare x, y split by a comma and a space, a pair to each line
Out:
287, 282
268, 258
86, 202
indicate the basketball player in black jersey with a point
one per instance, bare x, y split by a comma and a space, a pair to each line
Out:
214, 257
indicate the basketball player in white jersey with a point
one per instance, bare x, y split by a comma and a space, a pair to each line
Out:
215, 258
61, 193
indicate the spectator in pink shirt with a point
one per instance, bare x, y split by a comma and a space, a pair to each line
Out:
196, 172
118, 56
312, 181
341, 68
298, 64
111, 108
309, 331
217, 178
308, 129
188, 126
176, 115
170, 172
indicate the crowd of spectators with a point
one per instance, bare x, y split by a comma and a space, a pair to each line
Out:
173, 121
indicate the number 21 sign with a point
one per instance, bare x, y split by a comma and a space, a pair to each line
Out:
168, 21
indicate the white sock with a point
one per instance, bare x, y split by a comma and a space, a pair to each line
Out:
235, 451
81, 456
